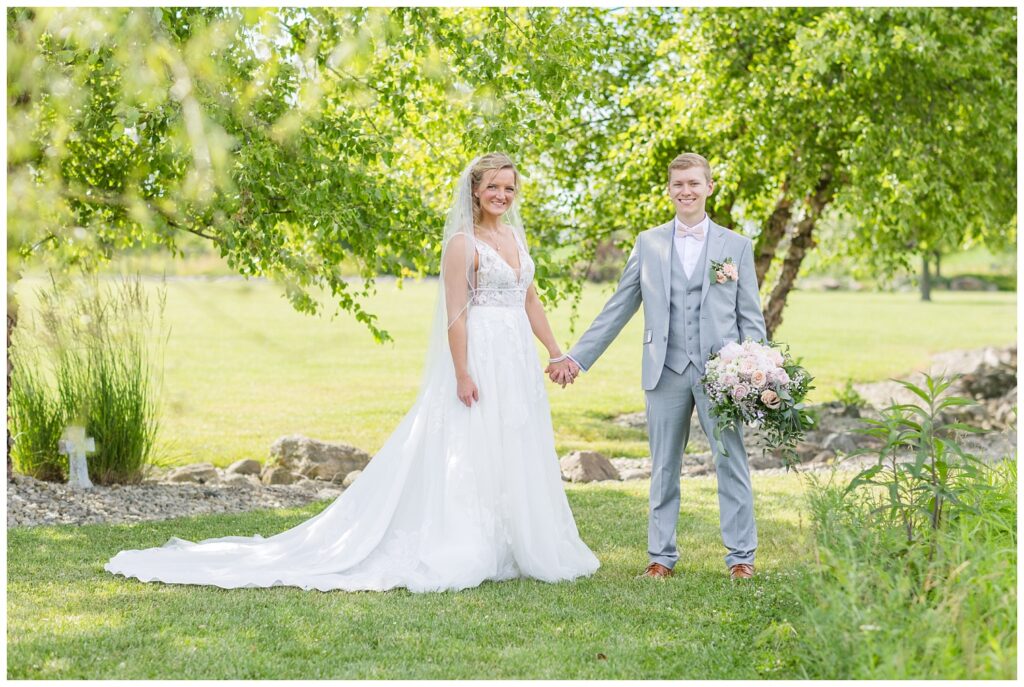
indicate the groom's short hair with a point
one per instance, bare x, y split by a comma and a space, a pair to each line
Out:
687, 160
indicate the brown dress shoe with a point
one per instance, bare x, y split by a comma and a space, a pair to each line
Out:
656, 570
741, 571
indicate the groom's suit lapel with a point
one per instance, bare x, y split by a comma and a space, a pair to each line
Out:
716, 246
665, 234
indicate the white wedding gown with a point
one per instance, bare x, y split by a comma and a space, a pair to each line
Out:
456, 495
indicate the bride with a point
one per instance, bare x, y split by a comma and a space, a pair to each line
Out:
468, 487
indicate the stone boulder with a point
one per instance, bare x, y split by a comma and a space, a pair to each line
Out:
278, 475
200, 473
350, 478
246, 466
587, 466
236, 480
632, 468
1004, 410
630, 474
317, 459
985, 373
308, 484
841, 442
697, 464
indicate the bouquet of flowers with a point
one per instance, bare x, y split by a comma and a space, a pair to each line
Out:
759, 384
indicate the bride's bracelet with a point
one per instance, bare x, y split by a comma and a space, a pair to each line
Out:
559, 358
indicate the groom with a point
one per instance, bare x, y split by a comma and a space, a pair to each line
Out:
689, 313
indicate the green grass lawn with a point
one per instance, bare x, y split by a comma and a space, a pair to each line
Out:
69, 619
242, 368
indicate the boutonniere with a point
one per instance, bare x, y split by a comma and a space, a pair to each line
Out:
724, 271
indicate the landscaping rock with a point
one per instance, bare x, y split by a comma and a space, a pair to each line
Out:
247, 481
1003, 411
278, 475
328, 493
317, 459
823, 457
350, 478
631, 474
246, 466
697, 465
308, 484
200, 473
840, 442
587, 466
762, 460
986, 373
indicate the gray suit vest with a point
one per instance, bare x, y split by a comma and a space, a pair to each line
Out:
684, 314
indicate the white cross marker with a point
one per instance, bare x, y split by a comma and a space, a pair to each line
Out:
75, 445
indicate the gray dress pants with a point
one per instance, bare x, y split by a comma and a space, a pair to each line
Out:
669, 409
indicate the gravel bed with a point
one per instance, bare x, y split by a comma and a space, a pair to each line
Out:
34, 502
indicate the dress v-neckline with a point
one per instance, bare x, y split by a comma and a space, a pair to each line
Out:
518, 273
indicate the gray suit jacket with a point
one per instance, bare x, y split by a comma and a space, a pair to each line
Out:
729, 311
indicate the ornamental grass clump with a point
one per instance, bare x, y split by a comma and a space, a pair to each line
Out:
38, 416
89, 358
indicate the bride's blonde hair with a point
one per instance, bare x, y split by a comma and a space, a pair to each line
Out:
487, 163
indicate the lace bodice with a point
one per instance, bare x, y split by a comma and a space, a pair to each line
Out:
497, 284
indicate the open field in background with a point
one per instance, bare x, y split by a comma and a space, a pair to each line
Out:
242, 368
979, 260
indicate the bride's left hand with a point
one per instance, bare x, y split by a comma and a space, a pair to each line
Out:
467, 391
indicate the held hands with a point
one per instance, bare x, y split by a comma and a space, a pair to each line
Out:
562, 371
467, 391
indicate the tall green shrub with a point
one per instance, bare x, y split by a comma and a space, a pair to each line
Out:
89, 359
38, 415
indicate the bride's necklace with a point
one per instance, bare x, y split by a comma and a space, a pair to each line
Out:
492, 236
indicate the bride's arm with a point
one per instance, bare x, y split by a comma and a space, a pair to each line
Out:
539, 323
456, 293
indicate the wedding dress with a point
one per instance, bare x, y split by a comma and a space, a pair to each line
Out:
456, 496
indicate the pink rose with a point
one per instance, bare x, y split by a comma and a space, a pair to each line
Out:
758, 378
740, 392
779, 376
719, 278
770, 399
730, 352
730, 271
747, 366
776, 357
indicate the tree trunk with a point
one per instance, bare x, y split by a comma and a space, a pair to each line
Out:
926, 279
803, 241
771, 235
938, 260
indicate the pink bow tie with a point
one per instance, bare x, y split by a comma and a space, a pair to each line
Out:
696, 232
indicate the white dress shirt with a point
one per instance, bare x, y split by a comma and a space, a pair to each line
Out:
688, 248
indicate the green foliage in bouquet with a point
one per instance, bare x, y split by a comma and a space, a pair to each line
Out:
774, 403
